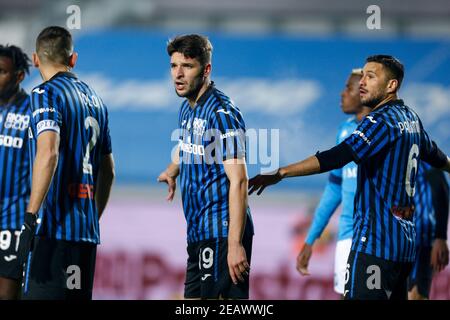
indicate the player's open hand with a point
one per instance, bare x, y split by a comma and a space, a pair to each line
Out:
439, 255
303, 259
238, 265
171, 182
260, 182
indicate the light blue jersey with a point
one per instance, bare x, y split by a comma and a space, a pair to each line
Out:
340, 189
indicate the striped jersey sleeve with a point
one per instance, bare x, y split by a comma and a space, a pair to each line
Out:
369, 138
45, 106
230, 124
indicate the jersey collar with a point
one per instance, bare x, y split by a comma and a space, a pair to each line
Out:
19, 98
206, 94
396, 102
63, 74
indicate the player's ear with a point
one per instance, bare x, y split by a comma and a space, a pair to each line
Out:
392, 86
20, 76
36, 60
207, 70
73, 59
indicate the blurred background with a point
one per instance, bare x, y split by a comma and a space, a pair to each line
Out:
284, 63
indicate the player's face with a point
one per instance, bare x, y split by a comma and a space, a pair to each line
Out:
373, 84
187, 75
8, 78
350, 101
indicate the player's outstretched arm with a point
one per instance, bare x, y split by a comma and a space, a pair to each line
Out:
334, 158
105, 181
305, 167
446, 167
236, 172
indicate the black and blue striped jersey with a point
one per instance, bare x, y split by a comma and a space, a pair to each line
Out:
424, 219
431, 205
210, 132
14, 161
387, 146
66, 105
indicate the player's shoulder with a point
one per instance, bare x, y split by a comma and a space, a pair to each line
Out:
224, 104
347, 127
351, 121
42, 89
375, 118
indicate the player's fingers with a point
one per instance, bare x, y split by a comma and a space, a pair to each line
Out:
242, 269
253, 180
161, 179
261, 190
171, 194
444, 256
238, 274
232, 275
303, 270
251, 189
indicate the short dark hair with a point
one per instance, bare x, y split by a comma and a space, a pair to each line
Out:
54, 44
19, 59
193, 46
394, 67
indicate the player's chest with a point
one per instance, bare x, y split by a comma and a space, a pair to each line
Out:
14, 120
195, 126
13, 129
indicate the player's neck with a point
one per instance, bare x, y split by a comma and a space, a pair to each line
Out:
49, 71
389, 97
364, 112
192, 101
10, 98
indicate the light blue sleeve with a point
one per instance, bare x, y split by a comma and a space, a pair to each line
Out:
330, 200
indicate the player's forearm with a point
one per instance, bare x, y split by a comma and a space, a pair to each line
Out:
328, 204
303, 168
43, 170
105, 180
174, 167
446, 167
173, 170
440, 197
238, 200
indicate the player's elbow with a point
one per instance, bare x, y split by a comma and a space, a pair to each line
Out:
111, 175
49, 156
240, 182
107, 169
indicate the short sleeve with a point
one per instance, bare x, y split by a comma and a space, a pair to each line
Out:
369, 138
45, 108
229, 127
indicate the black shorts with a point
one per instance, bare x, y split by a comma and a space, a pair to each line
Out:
207, 275
422, 272
9, 265
372, 278
59, 270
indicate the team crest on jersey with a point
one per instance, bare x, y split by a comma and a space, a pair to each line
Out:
199, 126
